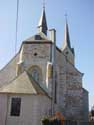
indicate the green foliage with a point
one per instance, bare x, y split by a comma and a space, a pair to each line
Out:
45, 120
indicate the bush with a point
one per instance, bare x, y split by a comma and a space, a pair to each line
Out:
45, 121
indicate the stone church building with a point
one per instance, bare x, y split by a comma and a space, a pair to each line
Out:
42, 79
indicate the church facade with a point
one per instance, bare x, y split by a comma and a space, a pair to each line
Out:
42, 79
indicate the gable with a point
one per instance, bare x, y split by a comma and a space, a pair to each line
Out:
23, 84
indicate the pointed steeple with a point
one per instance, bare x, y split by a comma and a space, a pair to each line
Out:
66, 49
42, 26
67, 42
66, 37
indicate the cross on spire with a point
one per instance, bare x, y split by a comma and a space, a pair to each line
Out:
44, 4
66, 16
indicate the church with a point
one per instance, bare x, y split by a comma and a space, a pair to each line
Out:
42, 79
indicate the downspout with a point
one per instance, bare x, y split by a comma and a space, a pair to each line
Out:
53, 39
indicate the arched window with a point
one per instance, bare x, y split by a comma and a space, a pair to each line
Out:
35, 72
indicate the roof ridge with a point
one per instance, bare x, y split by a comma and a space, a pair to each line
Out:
38, 36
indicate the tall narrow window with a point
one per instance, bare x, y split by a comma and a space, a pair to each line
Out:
15, 106
36, 73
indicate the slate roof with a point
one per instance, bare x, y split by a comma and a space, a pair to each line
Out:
39, 36
66, 36
42, 21
67, 42
24, 84
42, 26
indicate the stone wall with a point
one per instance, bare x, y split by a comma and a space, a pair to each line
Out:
32, 110
85, 105
70, 96
69, 55
61, 81
74, 94
69, 89
36, 55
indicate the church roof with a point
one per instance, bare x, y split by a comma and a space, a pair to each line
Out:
23, 84
37, 37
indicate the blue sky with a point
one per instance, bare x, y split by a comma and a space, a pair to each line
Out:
81, 26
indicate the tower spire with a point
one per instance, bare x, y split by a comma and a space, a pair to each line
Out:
66, 36
67, 50
42, 26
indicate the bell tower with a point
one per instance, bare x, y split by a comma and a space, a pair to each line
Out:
67, 50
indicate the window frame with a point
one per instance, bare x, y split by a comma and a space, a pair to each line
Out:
39, 73
15, 109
